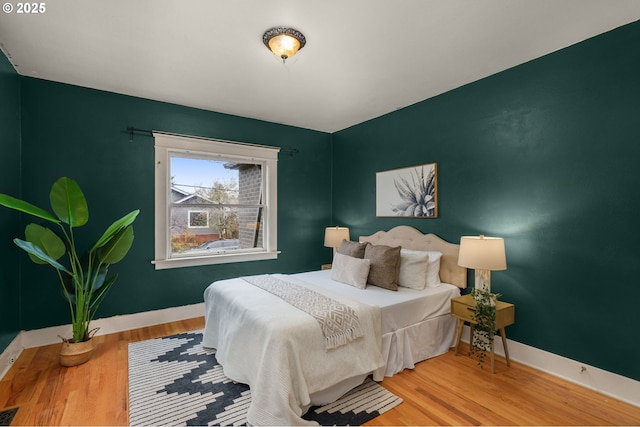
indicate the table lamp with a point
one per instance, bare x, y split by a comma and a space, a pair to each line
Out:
333, 236
482, 254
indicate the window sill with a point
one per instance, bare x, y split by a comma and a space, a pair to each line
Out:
163, 264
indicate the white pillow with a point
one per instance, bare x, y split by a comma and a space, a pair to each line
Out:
413, 269
350, 270
433, 266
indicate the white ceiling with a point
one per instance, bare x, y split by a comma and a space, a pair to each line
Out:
363, 58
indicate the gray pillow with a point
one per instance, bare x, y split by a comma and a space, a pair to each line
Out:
354, 249
385, 266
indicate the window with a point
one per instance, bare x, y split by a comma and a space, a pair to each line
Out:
215, 201
198, 219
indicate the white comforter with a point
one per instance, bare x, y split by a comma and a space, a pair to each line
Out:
279, 351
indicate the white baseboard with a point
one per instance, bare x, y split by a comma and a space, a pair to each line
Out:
10, 355
108, 325
605, 382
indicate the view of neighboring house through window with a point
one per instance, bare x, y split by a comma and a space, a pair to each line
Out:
216, 205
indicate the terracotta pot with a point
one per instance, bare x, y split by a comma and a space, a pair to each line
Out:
75, 353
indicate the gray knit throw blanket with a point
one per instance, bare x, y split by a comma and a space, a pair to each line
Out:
339, 323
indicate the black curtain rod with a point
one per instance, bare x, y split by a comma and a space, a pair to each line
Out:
133, 131
146, 132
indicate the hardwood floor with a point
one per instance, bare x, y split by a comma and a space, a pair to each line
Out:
446, 390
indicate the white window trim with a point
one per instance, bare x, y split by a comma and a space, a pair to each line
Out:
165, 144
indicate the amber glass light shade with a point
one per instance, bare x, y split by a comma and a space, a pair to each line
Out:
284, 46
284, 42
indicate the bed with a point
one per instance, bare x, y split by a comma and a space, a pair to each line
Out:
263, 340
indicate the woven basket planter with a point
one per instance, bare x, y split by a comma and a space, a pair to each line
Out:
75, 353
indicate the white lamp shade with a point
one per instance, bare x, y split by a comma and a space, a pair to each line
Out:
333, 236
481, 252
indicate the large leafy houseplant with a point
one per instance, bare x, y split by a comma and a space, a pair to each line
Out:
83, 278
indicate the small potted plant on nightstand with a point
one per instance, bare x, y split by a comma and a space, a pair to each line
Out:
485, 323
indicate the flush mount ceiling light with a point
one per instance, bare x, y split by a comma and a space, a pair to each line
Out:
284, 42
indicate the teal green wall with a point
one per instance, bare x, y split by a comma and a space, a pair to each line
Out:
9, 183
547, 156
544, 154
81, 133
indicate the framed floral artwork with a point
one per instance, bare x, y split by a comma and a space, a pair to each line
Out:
408, 192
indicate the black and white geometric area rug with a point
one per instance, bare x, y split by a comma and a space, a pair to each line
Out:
175, 381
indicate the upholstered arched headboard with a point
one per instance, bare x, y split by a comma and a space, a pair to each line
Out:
410, 238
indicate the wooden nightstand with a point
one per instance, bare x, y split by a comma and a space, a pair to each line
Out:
326, 266
464, 308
